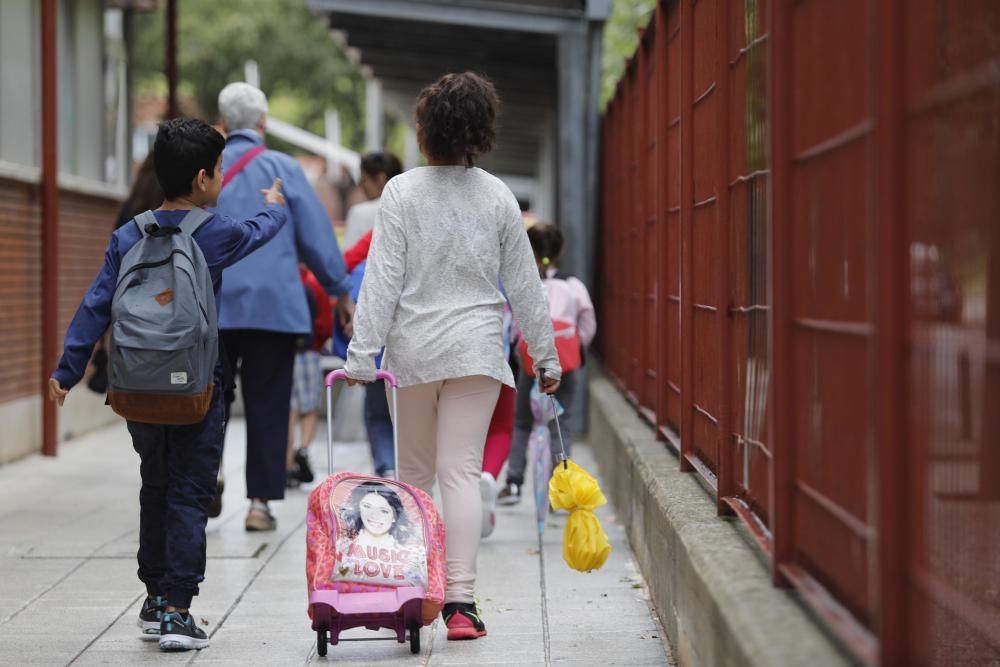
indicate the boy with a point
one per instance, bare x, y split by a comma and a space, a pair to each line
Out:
179, 464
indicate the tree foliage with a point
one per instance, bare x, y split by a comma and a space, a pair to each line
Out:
620, 41
303, 71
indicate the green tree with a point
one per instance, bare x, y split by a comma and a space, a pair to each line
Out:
303, 71
620, 41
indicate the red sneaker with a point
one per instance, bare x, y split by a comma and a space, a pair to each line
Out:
462, 619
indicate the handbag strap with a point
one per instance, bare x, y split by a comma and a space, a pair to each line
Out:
239, 165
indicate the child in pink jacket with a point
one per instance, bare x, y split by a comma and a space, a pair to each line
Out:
569, 302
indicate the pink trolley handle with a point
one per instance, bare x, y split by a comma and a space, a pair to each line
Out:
341, 374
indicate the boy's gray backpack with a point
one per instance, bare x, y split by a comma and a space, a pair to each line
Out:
164, 326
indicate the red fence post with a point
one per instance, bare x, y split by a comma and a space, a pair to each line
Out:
893, 323
726, 478
687, 255
779, 107
661, 203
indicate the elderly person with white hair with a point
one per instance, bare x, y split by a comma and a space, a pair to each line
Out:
264, 309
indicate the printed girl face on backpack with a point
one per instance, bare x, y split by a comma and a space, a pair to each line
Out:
380, 534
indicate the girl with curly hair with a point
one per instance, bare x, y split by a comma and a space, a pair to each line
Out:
445, 234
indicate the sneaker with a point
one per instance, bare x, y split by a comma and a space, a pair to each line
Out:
510, 494
150, 615
462, 619
260, 518
180, 632
215, 509
388, 474
488, 492
304, 469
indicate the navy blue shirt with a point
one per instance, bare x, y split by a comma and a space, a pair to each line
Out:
223, 241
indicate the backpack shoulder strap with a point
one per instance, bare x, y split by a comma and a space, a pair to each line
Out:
193, 220
143, 219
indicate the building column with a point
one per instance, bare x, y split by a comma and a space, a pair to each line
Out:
572, 180
544, 205
593, 143
374, 115
411, 151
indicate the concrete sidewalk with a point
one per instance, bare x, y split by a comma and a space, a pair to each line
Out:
69, 593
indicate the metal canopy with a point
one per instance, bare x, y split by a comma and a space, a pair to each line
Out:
536, 16
406, 55
542, 55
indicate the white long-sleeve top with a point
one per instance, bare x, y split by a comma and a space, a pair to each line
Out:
443, 237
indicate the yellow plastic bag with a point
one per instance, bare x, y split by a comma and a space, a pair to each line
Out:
585, 544
571, 487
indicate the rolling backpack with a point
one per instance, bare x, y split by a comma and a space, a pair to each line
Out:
375, 549
164, 326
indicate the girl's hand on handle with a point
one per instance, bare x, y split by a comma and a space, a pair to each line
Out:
547, 384
353, 381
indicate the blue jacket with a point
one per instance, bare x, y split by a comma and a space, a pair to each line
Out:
265, 291
223, 242
340, 340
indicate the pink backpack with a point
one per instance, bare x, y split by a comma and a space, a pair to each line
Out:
366, 534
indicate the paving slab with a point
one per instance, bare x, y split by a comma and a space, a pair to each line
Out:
69, 532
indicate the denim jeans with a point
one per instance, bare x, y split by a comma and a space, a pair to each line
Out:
379, 426
179, 465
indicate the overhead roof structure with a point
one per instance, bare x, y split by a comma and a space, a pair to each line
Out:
542, 55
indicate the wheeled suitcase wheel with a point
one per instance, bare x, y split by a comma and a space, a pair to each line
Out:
415, 639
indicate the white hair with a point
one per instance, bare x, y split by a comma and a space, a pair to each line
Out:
242, 106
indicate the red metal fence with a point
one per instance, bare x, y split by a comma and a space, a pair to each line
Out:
800, 291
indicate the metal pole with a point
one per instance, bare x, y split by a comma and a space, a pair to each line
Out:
171, 59
329, 430
395, 430
50, 220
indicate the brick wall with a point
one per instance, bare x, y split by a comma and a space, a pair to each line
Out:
20, 289
85, 224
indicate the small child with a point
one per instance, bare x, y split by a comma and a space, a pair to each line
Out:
307, 381
569, 301
179, 464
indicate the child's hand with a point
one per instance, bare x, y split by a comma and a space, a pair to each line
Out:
345, 314
548, 385
56, 392
273, 195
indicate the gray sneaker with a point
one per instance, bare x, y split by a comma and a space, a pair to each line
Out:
150, 616
180, 632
